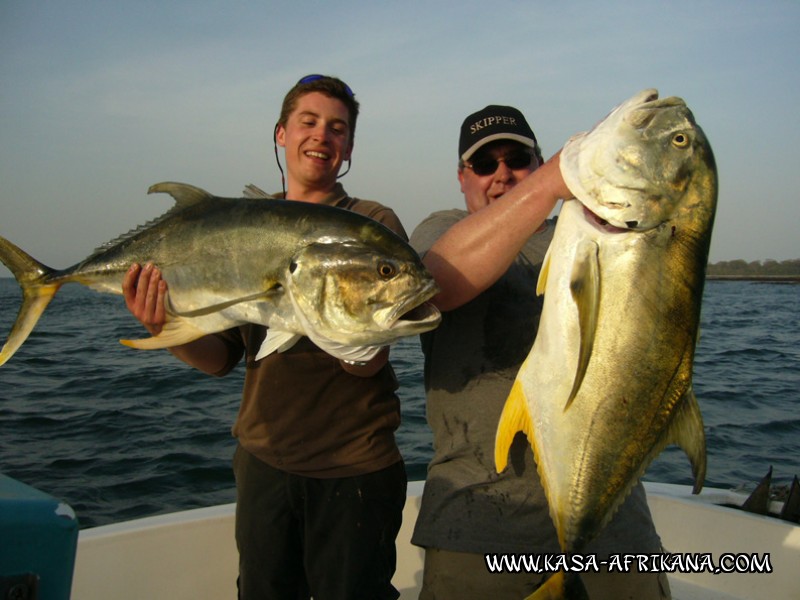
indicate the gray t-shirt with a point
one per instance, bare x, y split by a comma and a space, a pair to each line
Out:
471, 361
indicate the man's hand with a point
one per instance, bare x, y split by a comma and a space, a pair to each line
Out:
145, 294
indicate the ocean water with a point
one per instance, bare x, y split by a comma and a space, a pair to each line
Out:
120, 433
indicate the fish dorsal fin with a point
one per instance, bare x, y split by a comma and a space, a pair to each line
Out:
758, 501
687, 432
791, 507
183, 193
541, 283
515, 418
585, 288
276, 341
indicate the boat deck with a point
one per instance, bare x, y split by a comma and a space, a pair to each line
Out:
192, 554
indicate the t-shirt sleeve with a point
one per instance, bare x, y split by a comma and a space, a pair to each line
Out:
432, 228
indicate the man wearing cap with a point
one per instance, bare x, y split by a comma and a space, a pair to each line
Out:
486, 260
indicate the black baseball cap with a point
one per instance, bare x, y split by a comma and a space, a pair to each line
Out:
493, 123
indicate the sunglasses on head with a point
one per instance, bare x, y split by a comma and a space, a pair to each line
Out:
315, 77
513, 160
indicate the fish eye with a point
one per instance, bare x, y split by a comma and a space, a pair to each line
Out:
680, 140
386, 270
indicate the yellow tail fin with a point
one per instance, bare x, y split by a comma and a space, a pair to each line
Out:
36, 294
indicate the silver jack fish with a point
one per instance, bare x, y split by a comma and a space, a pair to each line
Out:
608, 382
347, 282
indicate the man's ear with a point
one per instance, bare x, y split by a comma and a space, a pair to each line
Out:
461, 179
280, 135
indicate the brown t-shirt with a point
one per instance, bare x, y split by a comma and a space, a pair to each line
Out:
301, 412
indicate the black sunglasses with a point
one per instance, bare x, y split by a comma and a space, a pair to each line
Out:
315, 77
488, 165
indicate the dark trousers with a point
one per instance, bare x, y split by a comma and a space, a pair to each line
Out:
330, 538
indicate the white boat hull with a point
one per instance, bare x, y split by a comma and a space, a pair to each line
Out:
192, 555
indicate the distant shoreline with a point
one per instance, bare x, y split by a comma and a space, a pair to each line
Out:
757, 278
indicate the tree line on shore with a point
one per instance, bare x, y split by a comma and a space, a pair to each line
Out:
758, 268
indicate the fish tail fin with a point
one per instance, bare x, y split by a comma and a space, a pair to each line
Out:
37, 292
561, 586
515, 417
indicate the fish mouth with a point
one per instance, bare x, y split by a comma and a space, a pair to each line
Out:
600, 223
422, 314
416, 313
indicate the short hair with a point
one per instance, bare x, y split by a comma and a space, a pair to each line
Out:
332, 87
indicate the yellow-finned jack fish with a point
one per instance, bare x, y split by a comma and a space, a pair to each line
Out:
345, 281
608, 382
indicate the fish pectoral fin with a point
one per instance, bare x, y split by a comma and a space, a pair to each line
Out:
274, 290
515, 418
175, 333
687, 432
541, 282
585, 289
276, 341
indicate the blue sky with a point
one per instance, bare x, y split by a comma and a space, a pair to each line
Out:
99, 100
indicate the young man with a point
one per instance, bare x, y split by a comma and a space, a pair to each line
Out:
320, 481
486, 260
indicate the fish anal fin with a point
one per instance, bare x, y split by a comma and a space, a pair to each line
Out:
687, 432
585, 290
175, 333
514, 418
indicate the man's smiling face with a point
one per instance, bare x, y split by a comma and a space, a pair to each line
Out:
317, 139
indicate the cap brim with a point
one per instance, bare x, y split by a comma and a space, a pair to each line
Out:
514, 137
